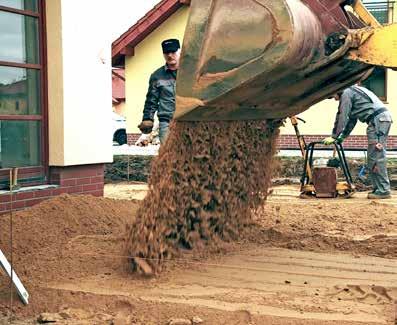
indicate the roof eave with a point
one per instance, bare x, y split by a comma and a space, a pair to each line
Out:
125, 44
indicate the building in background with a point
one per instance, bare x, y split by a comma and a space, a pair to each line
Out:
118, 91
138, 51
55, 96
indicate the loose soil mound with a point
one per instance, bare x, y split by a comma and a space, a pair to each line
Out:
204, 185
59, 238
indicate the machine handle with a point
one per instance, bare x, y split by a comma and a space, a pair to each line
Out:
341, 155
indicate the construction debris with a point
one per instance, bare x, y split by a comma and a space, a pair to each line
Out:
204, 185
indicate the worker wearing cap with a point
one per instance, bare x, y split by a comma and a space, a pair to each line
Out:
160, 97
360, 104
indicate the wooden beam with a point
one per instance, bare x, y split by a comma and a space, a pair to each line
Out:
128, 51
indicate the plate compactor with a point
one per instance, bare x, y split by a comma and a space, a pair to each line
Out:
321, 180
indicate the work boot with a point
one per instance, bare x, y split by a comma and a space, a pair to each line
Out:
378, 196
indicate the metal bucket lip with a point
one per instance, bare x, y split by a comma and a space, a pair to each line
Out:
195, 90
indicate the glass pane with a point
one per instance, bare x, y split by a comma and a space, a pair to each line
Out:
20, 143
376, 82
19, 38
19, 91
20, 4
380, 9
381, 15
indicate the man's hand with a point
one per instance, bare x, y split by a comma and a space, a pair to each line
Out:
328, 141
146, 126
379, 146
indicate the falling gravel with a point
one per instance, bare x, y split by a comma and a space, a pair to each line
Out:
205, 185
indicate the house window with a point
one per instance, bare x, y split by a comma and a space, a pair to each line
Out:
22, 113
28, 5
381, 10
377, 81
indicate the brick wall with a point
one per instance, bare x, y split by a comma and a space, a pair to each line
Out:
84, 179
132, 138
352, 142
289, 141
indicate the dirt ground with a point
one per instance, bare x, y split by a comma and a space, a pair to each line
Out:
312, 262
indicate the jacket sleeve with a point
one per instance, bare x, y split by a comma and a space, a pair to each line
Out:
337, 124
346, 123
152, 100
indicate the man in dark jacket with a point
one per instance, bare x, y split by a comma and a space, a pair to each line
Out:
161, 93
360, 104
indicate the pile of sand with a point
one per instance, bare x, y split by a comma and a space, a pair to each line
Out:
48, 239
204, 185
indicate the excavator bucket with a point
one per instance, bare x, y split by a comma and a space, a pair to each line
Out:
266, 59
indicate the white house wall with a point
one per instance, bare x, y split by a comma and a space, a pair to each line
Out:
79, 66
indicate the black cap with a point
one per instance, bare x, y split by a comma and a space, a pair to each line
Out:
170, 45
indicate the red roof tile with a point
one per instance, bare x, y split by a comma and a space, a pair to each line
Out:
125, 44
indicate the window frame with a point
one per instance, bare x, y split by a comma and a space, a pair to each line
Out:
389, 5
43, 169
23, 12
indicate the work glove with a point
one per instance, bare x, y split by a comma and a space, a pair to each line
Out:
146, 126
329, 140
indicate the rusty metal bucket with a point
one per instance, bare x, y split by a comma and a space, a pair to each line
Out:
264, 59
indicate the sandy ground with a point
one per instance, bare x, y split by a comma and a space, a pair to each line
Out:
126, 190
265, 284
280, 194
315, 262
300, 285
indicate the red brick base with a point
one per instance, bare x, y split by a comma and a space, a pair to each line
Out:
354, 142
84, 179
132, 138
